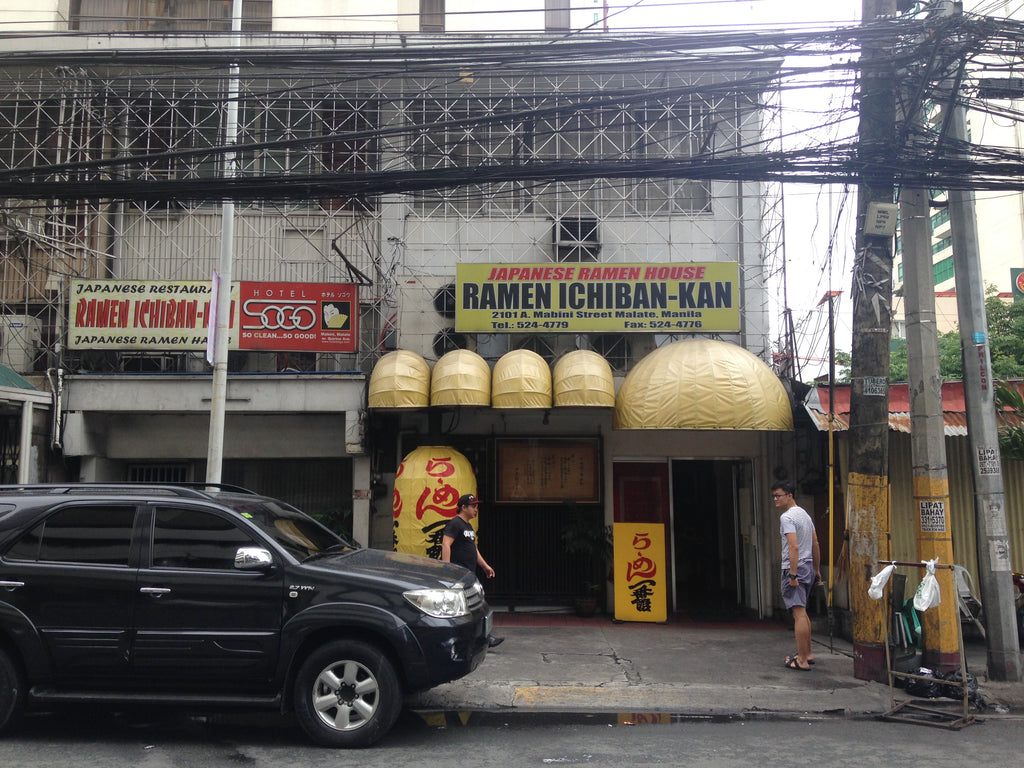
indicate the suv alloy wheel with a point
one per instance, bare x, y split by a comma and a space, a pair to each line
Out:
347, 695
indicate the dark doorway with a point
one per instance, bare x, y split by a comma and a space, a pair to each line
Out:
522, 542
708, 565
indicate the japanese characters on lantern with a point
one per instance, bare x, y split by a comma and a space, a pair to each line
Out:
641, 589
428, 485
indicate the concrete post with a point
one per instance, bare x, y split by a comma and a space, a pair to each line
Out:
941, 647
994, 561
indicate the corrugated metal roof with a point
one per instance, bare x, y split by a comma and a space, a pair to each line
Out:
954, 424
9, 378
954, 414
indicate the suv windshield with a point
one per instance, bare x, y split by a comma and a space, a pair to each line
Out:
298, 533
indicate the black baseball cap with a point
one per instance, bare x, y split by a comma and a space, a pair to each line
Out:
469, 498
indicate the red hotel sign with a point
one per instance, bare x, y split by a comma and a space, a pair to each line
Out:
166, 315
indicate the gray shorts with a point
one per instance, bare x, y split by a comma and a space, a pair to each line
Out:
797, 596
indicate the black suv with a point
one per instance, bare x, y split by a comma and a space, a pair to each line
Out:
212, 595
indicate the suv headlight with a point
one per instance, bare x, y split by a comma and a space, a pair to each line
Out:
439, 603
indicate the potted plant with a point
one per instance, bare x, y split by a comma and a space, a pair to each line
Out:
586, 603
586, 537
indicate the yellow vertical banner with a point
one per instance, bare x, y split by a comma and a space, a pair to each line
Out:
641, 584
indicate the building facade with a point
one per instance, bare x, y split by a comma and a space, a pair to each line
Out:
384, 155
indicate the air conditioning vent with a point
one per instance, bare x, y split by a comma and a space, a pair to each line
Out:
576, 239
444, 301
447, 340
20, 342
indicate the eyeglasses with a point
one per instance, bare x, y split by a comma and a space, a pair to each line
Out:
779, 495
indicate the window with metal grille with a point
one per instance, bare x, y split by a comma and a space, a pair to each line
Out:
577, 239
671, 133
545, 346
431, 15
168, 121
178, 472
449, 136
167, 16
613, 347
556, 15
464, 130
351, 147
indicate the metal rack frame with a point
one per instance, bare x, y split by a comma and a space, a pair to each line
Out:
919, 714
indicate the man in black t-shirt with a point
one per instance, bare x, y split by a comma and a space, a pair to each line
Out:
458, 544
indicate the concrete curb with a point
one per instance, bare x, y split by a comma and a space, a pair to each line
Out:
679, 671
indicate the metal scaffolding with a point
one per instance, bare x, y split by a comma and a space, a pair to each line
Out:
357, 166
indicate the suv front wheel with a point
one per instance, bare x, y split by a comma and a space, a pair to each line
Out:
347, 694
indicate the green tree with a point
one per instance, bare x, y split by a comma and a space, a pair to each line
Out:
843, 362
1006, 337
1011, 436
1006, 340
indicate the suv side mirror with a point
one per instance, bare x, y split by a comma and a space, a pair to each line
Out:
253, 559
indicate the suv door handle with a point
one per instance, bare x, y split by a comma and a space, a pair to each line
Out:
154, 592
11, 585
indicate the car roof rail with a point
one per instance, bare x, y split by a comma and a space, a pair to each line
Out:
190, 490
230, 487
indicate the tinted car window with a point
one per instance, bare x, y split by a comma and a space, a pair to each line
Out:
300, 535
95, 535
192, 538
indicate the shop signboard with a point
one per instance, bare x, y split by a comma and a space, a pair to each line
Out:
549, 470
691, 297
641, 587
165, 315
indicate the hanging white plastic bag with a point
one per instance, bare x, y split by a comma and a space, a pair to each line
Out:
927, 595
879, 580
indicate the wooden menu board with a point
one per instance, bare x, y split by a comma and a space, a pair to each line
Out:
546, 470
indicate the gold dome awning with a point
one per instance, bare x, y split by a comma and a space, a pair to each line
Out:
702, 384
583, 378
461, 377
400, 379
521, 379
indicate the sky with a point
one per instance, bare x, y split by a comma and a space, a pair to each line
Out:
815, 215
819, 220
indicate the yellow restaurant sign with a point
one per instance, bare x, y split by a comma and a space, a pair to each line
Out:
641, 572
695, 297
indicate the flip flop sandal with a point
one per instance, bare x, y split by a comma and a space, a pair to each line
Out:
792, 663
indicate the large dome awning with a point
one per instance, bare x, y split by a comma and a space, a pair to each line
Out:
702, 384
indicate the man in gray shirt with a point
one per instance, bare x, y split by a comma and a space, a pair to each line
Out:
801, 562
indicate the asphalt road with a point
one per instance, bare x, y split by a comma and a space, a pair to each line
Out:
106, 739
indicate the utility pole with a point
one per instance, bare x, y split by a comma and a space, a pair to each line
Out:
868, 496
941, 639
218, 399
994, 562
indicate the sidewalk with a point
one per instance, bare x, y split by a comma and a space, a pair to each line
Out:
560, 663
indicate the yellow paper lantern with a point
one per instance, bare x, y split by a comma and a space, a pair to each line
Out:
428, 485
